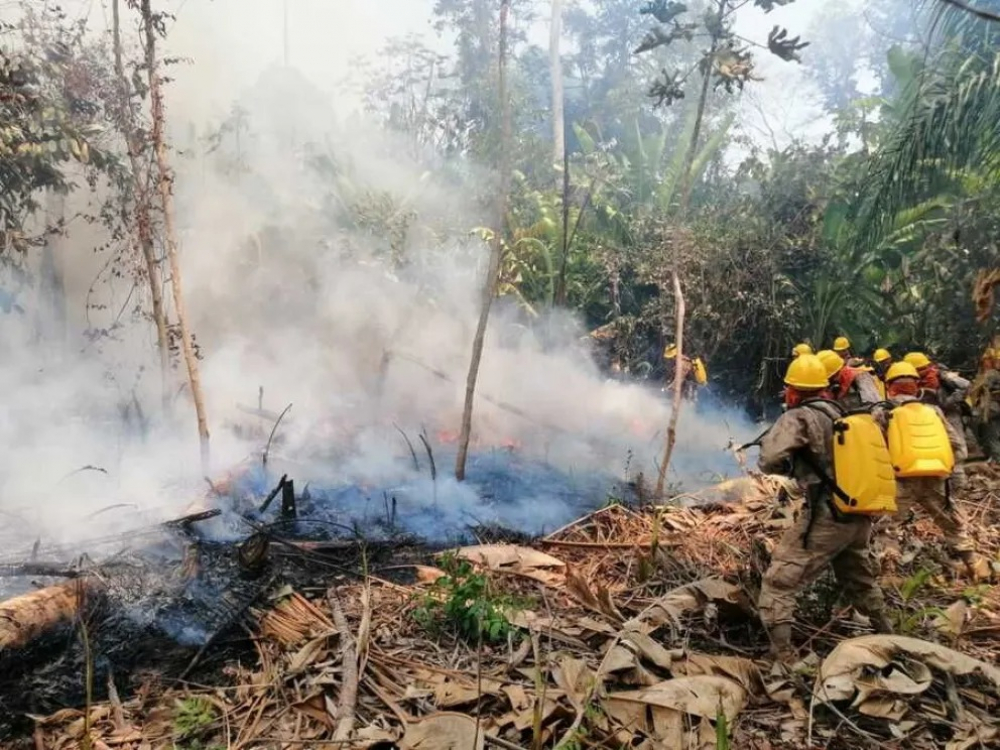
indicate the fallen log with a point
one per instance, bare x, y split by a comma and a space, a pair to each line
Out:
25, 618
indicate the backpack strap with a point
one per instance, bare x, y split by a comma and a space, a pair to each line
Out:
815, 465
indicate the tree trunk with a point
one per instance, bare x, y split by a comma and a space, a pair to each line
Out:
687, 184
165, 184
668, 447
140, 196
555, 68
496, 249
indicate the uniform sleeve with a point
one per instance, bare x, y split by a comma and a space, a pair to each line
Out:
957, 388
867, 388
788, 435
958, 445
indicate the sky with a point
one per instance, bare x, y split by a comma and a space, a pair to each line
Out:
326, 36
228, 43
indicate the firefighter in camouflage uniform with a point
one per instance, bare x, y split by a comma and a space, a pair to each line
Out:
819, 537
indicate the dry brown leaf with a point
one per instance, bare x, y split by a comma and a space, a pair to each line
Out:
651, 650
306, 655
742, 670
849, 668
444, 731
630, 715
517, 696
525, 719
315, 708
498, 556
974, 737
620, 658
573, 677
667, 726
579, 588
667, 610
699, 696
884, 708
952, 621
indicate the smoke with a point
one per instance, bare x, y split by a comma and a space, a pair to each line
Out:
328, 268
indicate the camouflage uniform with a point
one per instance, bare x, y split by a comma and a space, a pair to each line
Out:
861, 392
950, 398
987, 413
930, 493
817, 538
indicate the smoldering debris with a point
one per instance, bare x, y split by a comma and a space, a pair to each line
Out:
165, 594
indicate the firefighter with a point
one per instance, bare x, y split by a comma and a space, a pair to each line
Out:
881, 362
819, 537
985, 401
691, 372
850, 386
842, 346
929, 492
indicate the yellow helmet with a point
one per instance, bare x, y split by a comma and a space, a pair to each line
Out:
807, 373
801, 349
917, 359
832, 361
989, 353
881, 355
670, 352
901, 370
841, 344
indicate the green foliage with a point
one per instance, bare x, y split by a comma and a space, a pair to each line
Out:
193, 716
722, 741
466, 603
51, 103
912, 585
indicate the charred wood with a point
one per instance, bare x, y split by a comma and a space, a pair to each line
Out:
26, 618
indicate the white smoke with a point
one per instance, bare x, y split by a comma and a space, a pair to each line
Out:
286, 296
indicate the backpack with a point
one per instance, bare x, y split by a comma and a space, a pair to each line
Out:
918, 442
863, 481
700, 372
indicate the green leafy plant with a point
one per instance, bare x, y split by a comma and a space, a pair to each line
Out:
192, 716
465, 602
914, 583
721, 729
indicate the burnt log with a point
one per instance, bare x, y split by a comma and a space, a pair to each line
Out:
26, 618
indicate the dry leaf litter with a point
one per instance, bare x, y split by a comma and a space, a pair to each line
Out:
634, 628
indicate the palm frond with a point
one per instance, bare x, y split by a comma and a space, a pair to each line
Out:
953, 123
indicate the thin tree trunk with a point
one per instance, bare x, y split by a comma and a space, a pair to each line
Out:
496, 249
559, 152
668, 447
555, 68
687, 184
144, 223
165, 183
560, 295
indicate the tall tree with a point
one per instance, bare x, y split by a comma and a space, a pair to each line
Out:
556, 72
496, 248
126, 118
152, 25
728, 60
